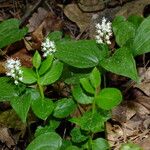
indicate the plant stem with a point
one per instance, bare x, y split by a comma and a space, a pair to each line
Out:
95, 94
41, 91
39, 85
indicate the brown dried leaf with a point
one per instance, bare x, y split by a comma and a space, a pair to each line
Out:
24, 56
145, 84
73, 12
5, 137
37, 19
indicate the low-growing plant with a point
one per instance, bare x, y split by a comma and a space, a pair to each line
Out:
82, 64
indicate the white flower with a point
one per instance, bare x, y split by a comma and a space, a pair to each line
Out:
48, 47
13, 70
104, 31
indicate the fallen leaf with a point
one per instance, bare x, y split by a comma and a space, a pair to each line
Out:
5, 137
82, 19
91, 6
145, 81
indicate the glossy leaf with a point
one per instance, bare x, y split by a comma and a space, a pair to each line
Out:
135, 20
95, 78
21, 104
80, 97
81, 54
46, 64
108, 98
46, 141
141, 43
10, 32
77, 135
90, 121
36, 60
42, 108
7, 89
122, 63
53, 74
64, 107
41, 130
85, 82
29, 75
100, 144
123, 31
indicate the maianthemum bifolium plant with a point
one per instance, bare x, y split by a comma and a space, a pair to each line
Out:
82, 64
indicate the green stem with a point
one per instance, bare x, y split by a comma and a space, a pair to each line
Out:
95, 94
39, 85
41, 91
90, 142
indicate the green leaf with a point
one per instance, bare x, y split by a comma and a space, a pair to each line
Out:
7, 89
130, 146
77, 135
108, 98
42, 108
46, 64
55, 36
29, 75
53, 74
141, 43
10, 32
41, 130
72, 148
100, 144
85, 82
81, 54
95, 78
64, 107
65, 144
21, 104
80, 97
123, 31
122, 63
46, 141
135, 20
36, 60
92, 122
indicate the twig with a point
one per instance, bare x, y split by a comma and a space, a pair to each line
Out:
30, 12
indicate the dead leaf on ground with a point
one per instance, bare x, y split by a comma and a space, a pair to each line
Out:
5, 137
41, 23
91, 6
145, 81
24, 56
82, 19
132, 121
133, 8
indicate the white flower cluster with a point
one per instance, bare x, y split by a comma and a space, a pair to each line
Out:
13, 70
104, 31
48, 47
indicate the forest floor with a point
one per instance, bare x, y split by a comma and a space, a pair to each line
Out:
131, 119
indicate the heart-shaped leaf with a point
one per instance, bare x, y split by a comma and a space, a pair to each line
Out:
21, 105
10, 32
42, 107
80, 97
46, 141
122, 63
108, 98
64, 107
52, 74
81, 54
7, 89
29, 75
